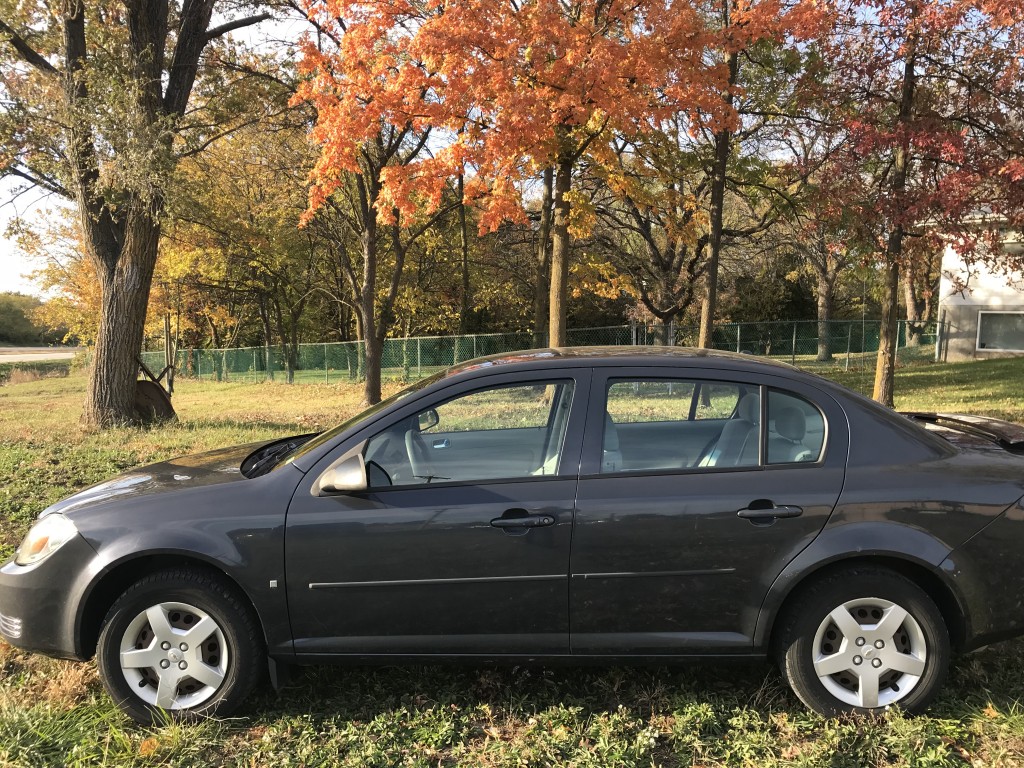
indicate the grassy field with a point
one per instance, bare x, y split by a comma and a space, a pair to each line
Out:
54, 713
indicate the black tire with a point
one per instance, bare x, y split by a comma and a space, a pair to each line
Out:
228, 662
869, 596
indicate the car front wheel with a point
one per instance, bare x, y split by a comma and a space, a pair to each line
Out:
863, 640
180, 642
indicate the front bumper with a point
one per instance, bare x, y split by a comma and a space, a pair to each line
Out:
38, 603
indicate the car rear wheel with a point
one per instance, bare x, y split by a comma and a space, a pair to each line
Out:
179, 642
863, 640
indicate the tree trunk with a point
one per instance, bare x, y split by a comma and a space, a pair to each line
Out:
368, 324
125, 279
293, 353
559, 254
723, 146
543, 262
885, 366
282, 335
267, 336
826, 303
465, 299
914, 318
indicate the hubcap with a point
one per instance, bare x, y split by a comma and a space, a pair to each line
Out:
174, 656
869, 653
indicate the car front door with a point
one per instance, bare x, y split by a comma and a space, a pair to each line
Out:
696, 491
460, 544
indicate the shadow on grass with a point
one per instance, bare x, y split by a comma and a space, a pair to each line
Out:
361, 693
992, 677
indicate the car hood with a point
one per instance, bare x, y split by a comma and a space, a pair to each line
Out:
201, 469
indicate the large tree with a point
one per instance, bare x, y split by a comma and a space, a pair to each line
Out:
928, 94
516, 87
95, 108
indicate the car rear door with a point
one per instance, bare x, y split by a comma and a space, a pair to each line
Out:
461, 543
676, 545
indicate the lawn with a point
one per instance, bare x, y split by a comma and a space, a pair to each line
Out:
55, 713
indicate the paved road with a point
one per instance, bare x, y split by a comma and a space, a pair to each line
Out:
34, 354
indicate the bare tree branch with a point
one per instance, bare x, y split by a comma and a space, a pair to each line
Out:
28, 53
231, 26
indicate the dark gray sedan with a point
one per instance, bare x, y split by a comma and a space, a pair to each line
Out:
610, 504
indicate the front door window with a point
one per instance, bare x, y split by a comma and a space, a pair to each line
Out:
503, 432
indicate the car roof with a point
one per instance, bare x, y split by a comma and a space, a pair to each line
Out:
624, 356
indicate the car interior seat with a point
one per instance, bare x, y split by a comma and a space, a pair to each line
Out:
737, 445
611, 455
786, 444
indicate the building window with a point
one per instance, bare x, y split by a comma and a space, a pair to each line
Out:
1001, 331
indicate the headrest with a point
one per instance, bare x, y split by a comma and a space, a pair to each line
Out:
790, 424
749, 408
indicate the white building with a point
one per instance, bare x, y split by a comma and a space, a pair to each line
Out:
983, 305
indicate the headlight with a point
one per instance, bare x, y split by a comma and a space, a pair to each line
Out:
44, 538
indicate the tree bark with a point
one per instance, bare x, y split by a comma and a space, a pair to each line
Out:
125, 279
267, 336
465, 298
914, 304
723, 147
543, 261
826, 303
368, 324
885, 365
559, 254
282, 335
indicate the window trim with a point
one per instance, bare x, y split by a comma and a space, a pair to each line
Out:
977, 337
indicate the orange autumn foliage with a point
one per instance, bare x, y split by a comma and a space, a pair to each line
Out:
509, 87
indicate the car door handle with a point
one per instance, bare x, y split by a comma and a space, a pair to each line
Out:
764, 512
444, 443
523, 521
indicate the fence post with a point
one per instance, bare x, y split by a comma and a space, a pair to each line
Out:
254, 365
849, 341
940, 329
738, 329
793, 347
474, 345
896, 352
419, 360
327, 368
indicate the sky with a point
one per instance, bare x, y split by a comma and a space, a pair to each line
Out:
13, 263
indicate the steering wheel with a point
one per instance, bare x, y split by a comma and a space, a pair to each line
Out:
419, 457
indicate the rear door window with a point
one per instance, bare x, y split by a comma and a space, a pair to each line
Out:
664, 423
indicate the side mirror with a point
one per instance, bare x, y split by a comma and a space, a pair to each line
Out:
348, 475
428, 419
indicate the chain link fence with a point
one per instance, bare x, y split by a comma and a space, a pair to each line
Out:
844, 344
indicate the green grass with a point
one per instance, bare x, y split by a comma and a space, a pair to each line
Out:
32, 370
54, 713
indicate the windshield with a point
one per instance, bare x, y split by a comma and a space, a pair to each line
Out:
360, 417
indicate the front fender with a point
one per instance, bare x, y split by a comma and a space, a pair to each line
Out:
256, 569
236, 528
